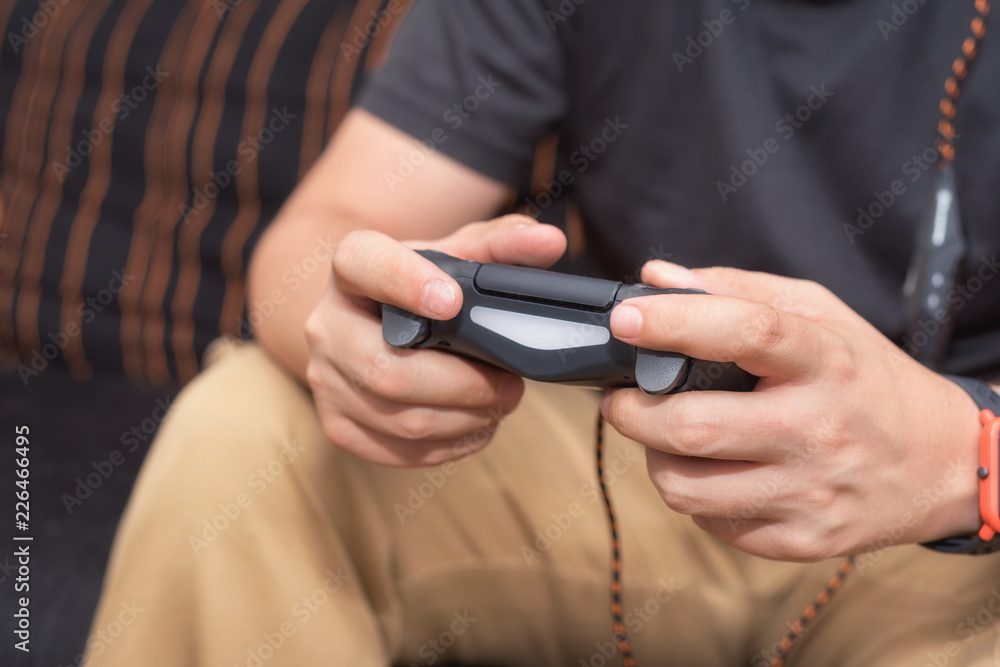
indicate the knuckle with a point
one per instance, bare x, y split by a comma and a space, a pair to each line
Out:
690, 431
763, 331
621, 412
815, 291
820, 499
416, 424
346, 249
826, 435
335, 428
473, 441
673, 493
468, 387
803, 546
314, 328
385, 383
314, 374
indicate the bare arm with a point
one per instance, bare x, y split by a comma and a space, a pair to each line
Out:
396, 407
346, 190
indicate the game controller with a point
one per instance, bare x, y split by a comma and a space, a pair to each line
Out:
553, 327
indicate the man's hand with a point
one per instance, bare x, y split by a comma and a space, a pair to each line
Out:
845, 445
411, 407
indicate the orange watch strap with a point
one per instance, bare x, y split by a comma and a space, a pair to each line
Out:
989, 474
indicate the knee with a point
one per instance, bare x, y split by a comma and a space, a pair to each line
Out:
242, 407
235, 431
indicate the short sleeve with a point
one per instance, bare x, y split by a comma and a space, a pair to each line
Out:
480, 80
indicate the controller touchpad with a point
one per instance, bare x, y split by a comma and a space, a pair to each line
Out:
539, 333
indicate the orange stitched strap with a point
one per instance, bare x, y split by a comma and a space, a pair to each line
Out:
798, 628
617, 615
989, 475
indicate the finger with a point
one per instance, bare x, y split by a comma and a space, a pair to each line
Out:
736, 426
416, 377
770, 538
760, 338
735, 490
376, 447
799, 297
511, 239
421, 422
373, 265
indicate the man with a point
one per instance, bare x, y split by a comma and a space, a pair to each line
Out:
736, 134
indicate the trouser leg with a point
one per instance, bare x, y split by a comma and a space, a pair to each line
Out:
250, 537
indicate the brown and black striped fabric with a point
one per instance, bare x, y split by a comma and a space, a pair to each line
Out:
145, 146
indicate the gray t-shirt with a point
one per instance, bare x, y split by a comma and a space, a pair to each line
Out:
796, 138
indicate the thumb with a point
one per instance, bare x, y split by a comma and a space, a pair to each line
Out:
511, 239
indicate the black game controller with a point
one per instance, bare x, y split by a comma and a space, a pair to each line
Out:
553, 327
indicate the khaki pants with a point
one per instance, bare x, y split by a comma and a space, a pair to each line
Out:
251, 541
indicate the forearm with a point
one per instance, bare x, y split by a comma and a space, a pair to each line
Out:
287, 277
347, 190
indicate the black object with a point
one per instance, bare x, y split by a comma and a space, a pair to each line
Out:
939, 250
553, 327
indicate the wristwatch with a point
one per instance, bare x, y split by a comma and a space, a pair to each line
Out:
987, 540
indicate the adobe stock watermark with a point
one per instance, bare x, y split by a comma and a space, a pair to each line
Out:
7, 569
958, 297
986, 619
882, 200
301, 612
353, 45
38, 359
454, 116
900, 14
635, 621
593, 329
230, 511
419, 494
562, 12
765, 491
922, 503
248, 150
658, 253
786, 127
131, 440
434, 649
47, 10
101, 639
581, 158
696, 44
120, 110
766, 656
563, 521
260, 310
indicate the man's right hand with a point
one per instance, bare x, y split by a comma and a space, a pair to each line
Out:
411, 407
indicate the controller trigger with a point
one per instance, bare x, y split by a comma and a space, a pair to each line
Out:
403, 329
659, 372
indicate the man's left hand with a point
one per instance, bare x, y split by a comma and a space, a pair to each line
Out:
845, 445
